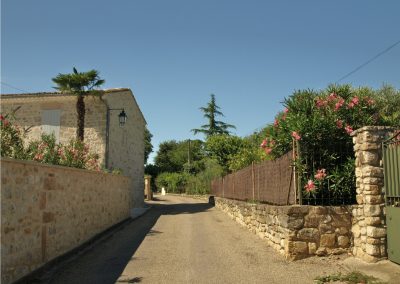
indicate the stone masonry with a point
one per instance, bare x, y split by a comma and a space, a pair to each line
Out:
369, 223
48, 210
295, 231
126, 144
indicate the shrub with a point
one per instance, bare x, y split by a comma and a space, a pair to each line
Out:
248, 153
45, 150
76, 154
12, 144
320, 123
201, 183
173, 182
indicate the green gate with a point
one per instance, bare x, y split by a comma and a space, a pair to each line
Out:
391, 165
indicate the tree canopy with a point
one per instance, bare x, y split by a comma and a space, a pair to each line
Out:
80, 84
148, 147
214, 126
172, 156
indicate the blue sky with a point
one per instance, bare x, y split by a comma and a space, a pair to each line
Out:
174, 54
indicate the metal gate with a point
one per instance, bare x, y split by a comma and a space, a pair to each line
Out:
391, 165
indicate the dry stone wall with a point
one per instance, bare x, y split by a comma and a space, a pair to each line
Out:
369, 221
48, 210
295, 231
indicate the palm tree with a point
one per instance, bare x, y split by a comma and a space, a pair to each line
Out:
79, 84
214, 126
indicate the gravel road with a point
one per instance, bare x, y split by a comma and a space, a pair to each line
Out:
184, 240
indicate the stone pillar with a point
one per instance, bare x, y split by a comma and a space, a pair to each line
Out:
147, 188
369, 222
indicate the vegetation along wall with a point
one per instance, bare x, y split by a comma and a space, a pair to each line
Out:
48, 210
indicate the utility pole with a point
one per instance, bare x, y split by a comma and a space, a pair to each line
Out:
189, 159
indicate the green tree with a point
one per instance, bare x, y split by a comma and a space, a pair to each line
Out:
163, 159
201, 182
148, 147
79, 84
388, 100
172, 156
214, 127
249, 152
223, 148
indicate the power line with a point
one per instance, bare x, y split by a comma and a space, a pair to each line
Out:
368, 61
12, 87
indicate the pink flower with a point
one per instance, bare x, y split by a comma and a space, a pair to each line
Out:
321, 174
42, 146
310, 186
339, 123
320, 103
284, 117
286, 110
348, 129
38, 157
339, 104
276, 123
332, 97
295, 135
370, 102
268, 150
355, 100
5, 122
264, 143
350, 105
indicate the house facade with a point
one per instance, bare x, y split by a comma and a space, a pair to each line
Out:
117, 146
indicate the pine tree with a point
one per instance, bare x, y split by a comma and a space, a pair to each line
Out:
214, 127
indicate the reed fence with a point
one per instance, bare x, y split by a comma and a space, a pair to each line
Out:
271, 182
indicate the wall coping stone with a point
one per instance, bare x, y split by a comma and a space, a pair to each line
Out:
58, 167
59, 94
372, 128
289, 209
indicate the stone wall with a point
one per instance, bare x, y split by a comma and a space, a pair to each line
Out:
127, 143
295, 231
48, 210
369, 222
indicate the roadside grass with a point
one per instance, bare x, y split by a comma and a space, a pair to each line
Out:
353, 277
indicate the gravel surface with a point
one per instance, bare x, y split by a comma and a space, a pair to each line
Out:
184, 240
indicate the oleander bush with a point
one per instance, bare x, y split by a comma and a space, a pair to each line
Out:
12, 144
45, 150
319, 123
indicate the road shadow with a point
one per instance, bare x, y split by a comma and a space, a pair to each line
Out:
106, 260
182, 208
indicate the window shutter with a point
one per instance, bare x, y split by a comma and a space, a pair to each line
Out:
51, 122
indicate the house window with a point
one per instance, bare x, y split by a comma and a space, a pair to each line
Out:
51, 122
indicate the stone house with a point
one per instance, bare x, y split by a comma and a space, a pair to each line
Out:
118, 146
